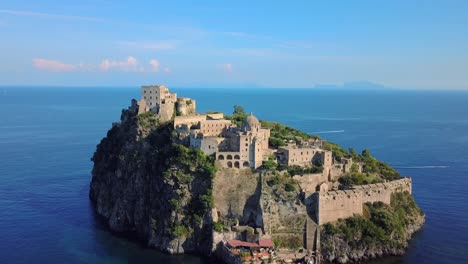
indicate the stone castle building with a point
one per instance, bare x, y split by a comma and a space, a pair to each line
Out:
247, 147
164, 104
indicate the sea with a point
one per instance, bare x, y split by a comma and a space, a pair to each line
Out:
48, 135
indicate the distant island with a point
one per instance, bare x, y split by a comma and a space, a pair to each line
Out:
244, 190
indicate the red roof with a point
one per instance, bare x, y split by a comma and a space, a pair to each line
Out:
237, 243
266, 243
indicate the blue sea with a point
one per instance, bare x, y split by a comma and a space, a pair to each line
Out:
48, 135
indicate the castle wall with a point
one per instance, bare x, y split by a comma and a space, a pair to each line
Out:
333, 205
382, 192
309, 182
209, 145
191, 120
338, 204
186, 106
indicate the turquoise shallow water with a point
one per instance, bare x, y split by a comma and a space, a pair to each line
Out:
47, 136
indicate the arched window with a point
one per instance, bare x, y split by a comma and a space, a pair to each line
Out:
221, 157
245, 164
236, 157
229, 157
236, 164
229, 164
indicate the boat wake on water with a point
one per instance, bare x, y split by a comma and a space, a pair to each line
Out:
328, 132
421, 167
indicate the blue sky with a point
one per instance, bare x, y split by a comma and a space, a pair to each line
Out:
402, 44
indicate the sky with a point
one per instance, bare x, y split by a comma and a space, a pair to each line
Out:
401, 44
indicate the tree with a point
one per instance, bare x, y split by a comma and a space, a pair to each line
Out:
366, 153
239, 110
352, 152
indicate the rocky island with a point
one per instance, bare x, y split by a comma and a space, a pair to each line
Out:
243, 190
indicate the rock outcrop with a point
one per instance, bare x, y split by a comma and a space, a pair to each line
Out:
146, 186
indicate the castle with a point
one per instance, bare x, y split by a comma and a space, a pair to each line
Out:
247, 147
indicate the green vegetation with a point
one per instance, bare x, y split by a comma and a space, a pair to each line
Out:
338, 151
238, 116
298, 170
381, 224
179, 231
359, 179
371, 164
218, 227
186, 169
280, 134
148, 120
288, 241
289, 187
282, 182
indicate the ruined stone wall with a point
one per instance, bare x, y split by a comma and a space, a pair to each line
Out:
333, 205
209, 145
382, 192
186, 106
188, 120
309, 182
338, 204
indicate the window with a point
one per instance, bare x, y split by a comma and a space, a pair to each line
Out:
144, 91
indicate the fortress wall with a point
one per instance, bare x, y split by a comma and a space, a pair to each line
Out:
382, 192
342, 204
209, 145
188, 120
309, 182
338, 204
186, 106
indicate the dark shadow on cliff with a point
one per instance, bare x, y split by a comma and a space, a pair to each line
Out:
252, 213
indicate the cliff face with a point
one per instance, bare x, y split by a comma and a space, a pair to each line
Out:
145, 185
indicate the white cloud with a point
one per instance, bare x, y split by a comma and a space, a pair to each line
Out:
154, 65
130, 64
52, 65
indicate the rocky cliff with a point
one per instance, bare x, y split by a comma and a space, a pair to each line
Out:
145, 185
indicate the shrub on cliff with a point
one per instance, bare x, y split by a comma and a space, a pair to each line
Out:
358, 179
